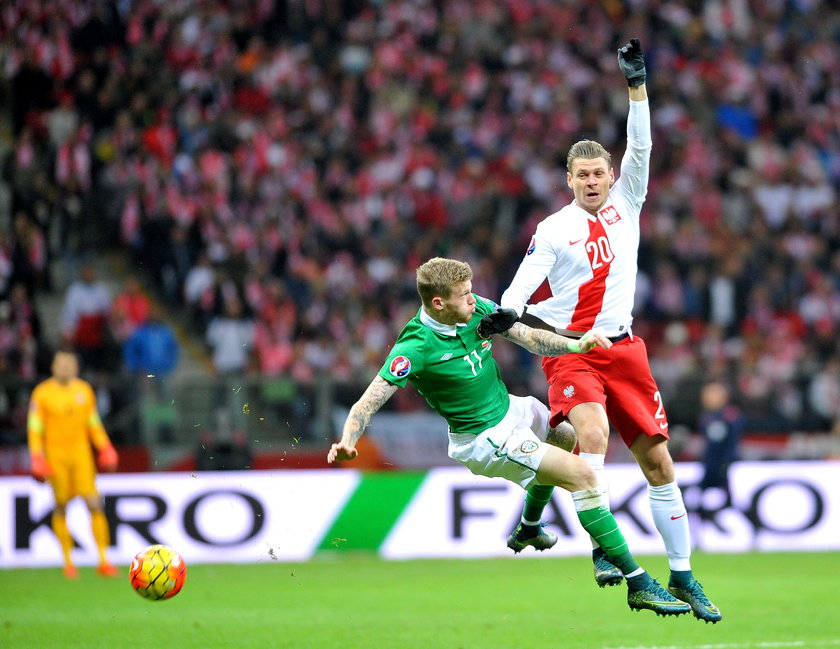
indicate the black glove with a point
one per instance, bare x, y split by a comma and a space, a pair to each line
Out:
497, 322
632, 63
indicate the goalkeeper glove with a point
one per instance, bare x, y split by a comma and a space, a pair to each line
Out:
107, 459
497, 322
632, 63
40, 468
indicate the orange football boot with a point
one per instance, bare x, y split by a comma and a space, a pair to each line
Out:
106, 570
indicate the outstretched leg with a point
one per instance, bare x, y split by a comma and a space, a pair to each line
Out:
565, 470
530, 530
593, 427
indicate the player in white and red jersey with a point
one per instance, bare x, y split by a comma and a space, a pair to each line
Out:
587, 252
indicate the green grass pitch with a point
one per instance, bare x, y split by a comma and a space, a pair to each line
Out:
769, 601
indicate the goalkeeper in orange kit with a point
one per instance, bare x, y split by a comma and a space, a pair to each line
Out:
62, 424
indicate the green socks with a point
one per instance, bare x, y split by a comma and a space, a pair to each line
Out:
536, 499
599, 522
681, 578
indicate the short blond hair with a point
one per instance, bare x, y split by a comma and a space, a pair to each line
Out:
437, 277
587, 150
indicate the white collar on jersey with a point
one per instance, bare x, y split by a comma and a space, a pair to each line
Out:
445, 329
591, 217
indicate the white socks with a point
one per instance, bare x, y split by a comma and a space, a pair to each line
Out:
670, 518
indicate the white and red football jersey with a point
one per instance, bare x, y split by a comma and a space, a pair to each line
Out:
590, 262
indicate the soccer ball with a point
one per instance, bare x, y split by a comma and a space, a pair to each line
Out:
157, 572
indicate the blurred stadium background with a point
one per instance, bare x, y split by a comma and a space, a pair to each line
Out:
266, 175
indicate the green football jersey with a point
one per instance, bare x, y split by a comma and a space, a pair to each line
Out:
456, 374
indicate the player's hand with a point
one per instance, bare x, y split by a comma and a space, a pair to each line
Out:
591, 339
107, 459
340, 452
632, 63
497, 322
40, 469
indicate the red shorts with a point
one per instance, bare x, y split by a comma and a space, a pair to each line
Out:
618, 378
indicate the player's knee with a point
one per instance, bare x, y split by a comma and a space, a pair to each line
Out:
592, 437
94, 503
562, 436
567, 471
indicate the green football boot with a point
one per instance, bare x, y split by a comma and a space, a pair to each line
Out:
534, 535
655, 598
694, 596
606, 574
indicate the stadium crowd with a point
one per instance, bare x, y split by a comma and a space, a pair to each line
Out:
292, 162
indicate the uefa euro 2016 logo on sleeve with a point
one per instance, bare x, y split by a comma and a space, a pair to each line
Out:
400, 367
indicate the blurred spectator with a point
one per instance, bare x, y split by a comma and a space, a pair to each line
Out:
32, 89
29, 254
824, 393
152, 347
722, 426
84, 319
8, 334
130, 309
25, 351
273, 348
231, 340
199, 288
151, 354
6, 264
176, 266
230, 337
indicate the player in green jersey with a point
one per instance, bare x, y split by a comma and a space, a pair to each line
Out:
493, 433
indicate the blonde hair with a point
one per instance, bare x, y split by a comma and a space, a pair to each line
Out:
587, 150
437, 277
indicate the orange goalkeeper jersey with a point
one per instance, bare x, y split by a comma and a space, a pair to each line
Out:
63, 419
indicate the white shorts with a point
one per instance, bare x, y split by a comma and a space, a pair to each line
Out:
511, 449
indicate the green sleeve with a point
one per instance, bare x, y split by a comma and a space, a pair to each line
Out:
403, 361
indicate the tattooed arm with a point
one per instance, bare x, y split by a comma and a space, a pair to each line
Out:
548, 343
377, 393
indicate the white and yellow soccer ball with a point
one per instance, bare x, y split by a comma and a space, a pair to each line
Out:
157, 572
